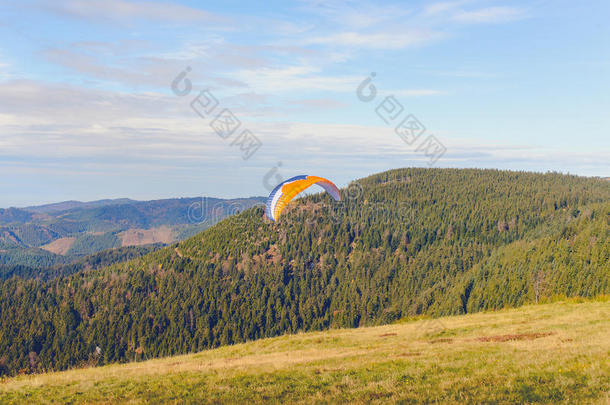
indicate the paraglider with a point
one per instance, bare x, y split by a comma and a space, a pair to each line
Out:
287, 190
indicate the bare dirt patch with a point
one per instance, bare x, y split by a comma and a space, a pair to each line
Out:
520, 336
135, 237
59, 246
441, 340
388, 334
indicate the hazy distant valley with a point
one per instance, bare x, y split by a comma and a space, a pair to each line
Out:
58, 234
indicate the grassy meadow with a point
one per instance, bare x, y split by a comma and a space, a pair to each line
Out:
548, 353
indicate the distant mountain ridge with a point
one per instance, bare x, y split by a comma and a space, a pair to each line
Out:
66, 205
12, 214
54, 234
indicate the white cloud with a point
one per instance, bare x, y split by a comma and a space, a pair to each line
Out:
114, 127
378, 40
489, 15
444, 7
345, 34
295, 78
438, 8
153, 71
357, 15
363, 25
126, 11
89, 134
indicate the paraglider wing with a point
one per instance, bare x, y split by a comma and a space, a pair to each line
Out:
287, 190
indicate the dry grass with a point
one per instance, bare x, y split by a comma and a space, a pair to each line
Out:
553, 353
520, 336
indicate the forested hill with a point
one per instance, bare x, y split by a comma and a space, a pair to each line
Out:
401, 243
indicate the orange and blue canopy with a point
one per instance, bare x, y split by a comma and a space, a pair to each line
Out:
287, 190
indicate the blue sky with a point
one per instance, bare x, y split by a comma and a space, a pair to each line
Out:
88, 111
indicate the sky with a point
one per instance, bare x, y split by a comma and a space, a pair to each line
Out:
153, 99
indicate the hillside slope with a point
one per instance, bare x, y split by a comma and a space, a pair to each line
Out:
553, 353
567, 257
402, 243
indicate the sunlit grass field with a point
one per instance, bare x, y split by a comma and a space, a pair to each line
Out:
550, 353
